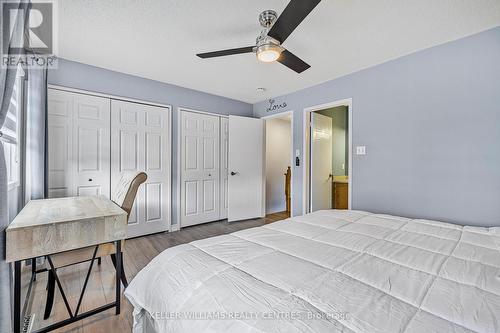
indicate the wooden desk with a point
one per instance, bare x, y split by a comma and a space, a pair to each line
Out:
50, 226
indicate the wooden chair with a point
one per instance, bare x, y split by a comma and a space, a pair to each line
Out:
124, 196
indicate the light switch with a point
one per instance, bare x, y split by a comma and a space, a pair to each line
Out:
360, 150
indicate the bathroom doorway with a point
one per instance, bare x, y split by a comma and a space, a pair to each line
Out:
328, 164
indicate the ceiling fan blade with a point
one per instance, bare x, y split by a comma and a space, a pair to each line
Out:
293, 62
227, 52
294, 13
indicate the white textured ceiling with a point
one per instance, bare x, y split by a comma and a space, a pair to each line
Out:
158, 39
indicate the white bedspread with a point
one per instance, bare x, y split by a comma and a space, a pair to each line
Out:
329, 271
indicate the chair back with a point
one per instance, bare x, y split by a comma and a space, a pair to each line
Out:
126, 189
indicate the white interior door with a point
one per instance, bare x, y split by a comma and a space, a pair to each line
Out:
224, 166
246, 168
78, 144
321, 162
140, 137
200, 168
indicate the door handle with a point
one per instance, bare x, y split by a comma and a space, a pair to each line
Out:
233, 173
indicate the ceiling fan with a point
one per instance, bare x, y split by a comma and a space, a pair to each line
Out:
276, 30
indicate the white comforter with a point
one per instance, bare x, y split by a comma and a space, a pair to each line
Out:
329, 271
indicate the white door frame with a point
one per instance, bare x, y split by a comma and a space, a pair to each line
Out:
178, 226
307, 153
292, 153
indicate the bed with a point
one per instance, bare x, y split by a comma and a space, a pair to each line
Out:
329, 271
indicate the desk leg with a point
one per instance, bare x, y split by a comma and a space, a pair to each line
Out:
17, 297
118, 275
33, 268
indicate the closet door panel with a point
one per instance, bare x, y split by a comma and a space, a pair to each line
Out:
140, 137
200, 165
211, 167
153, 199
125, 152
191, 168
191, 197
78, 144
58, 155
91, 130
209, 199
154, 149
128, 159
60, 139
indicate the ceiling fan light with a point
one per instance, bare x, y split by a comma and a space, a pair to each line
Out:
268, 52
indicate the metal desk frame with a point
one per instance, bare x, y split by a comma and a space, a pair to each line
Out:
73, 317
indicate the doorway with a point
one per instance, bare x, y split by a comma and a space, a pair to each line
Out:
279, 163
328, 157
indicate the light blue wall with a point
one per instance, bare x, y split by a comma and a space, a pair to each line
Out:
430, 122
76, 75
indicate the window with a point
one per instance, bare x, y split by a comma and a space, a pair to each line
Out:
11, 136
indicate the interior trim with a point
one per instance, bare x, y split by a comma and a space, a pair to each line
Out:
98, 94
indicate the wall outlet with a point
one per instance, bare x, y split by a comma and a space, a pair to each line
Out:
360, 150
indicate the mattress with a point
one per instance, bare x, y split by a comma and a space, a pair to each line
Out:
329, 271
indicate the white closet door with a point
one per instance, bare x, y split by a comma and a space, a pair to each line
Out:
91, 133
140, 141
78, 144
60, 143
200, 170
247, 168
224, 150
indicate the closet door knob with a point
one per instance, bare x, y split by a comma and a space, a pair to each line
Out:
90, 179
233, 173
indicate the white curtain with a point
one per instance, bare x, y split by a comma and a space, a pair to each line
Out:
35, 154
7, 82
36, 134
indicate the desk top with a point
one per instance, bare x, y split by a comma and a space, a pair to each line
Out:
60, 210
55, 225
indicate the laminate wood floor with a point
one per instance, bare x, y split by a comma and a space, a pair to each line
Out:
101, 286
